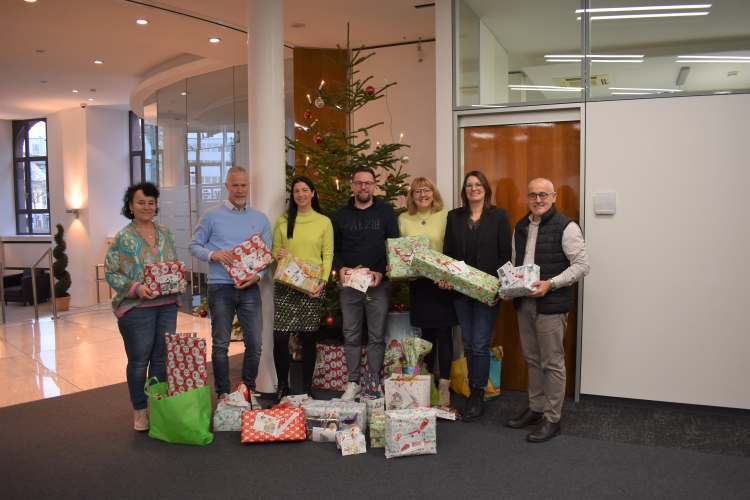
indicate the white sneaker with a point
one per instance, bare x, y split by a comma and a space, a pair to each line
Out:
352, 391
142, 422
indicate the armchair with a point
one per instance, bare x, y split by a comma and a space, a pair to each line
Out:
18, 287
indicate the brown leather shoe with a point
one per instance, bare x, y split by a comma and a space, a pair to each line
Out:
545, 431
524, 419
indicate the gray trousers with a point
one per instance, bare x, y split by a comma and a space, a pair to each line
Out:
354, 305
542, 343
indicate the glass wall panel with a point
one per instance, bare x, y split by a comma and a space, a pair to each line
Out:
467, 54
38, 185
21, 186
38, 139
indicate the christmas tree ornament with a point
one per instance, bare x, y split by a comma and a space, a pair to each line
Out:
318, 138
405, 158
334, 152
391, 178
319, 102
329, 321
202, 313
370, 90
307, 114
398, 306
367, 143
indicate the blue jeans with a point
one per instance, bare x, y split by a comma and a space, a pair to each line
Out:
143, 331
224, 300
477, 322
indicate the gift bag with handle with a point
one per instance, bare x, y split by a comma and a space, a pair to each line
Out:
460, 375
183, 418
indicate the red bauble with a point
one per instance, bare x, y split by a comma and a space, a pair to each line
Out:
398, 306
202, 313
318, 138
370, 90
391, 178
329, 321
308, 115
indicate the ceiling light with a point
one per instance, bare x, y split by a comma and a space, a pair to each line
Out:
487, 106
652, 90
75, 91
682, 76
98, 62
564, 60
632, 93
141, 21
617, 60
545, 88
29, 1
214, 40
638, 16
44, 81
183, 93
39, 51
298, 25
714, 57
746, 61
91, 99
651, 7
615, 56
723, 92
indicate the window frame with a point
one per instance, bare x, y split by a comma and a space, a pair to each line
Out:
156, 151
18, 127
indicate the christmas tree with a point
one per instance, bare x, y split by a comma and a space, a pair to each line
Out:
331, 154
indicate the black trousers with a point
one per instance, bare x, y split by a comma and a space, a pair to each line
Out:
442, 343
282, 358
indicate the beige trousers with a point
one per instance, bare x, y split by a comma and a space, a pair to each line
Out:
542, 343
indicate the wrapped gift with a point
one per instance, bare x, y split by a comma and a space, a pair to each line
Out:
322, 430
295, 401
351, 441
410, 432
298, 274
370, 382
400, 253
228, 414
447, 413
407, 391
250, 257
464, 279
516, 281
377, 430
165, 278
372, 406
186, 362
347, 276
276, 424
348, 413
331, 372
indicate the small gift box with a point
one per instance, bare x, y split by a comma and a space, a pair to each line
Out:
298, 274
228, 414
358, 278
464, 279
276, 424
516, 281
377, 430
400, 253
165, 278
250, 257
410, 432
407, 391
296, 401
186, 362
348, 413
351, 442
322, 430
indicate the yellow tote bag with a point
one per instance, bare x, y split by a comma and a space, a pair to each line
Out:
460, 380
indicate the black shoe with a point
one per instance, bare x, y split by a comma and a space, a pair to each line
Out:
545, 431
524, 419
282, 390
475, 406
308, 389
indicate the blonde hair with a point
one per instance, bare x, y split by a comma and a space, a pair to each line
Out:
437, 200
237, 170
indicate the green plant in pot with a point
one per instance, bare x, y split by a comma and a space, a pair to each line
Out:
59, 271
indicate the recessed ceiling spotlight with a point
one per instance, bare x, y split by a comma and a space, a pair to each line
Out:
29, 1
214, 40
75, 91
98, 62
91, 99
92, 90
183, 93
44, 81
298, 25
141, 21
39, 51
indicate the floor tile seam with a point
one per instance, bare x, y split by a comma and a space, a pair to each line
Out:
76, 345
40, 363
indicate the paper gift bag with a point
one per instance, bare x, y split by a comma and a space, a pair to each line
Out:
250, 257
460, 377
410, 432
228, 414
464, 279
351, 441
516, 281
298, 274
276, 424
348, 413
186, 362
331, 372
400, 252
165, 278
407, 391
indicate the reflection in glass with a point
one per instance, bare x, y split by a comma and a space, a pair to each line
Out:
20, 150
38, 185
21, 186
38, 139
135, 133
135, 169
40, 223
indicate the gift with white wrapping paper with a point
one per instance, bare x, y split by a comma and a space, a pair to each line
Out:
165, 278
351, 441
516, 281
186, 362
348, 413
407, 391
410, 432
250, 257
228, 414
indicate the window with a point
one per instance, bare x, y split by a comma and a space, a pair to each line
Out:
31, 176
146, 148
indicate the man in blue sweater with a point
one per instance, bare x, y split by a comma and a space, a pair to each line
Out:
219, 230
360, 229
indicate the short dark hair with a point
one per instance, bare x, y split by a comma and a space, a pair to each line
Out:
488, 206
148, 188
364, 168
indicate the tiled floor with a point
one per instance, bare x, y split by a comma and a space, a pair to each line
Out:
81, 350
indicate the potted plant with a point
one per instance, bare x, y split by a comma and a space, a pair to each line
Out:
59, 271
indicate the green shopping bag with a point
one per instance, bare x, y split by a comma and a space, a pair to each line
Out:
184, 418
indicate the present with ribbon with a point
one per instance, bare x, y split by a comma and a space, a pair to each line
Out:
377, 430
463, 278
322, 430
186, 362
228, 414
351, 441
276, 424
347, 413
298, 274
249, 257
407, 391
400, 252
516, 281
410, 432
165, 278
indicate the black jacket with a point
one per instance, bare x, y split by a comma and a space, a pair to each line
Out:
359, 235
494, 238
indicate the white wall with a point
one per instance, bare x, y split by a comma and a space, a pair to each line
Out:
665, 308
411, 103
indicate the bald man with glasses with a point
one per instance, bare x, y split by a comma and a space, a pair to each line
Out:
554, 242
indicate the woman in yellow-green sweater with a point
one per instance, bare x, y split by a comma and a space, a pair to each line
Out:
307, 234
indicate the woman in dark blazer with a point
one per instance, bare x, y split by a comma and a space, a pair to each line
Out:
479, 234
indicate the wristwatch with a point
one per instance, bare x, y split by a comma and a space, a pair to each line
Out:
552, 285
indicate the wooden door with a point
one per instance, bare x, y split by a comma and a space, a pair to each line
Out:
511, 156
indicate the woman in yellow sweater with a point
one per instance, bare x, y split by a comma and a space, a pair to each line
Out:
431, 308
307, 234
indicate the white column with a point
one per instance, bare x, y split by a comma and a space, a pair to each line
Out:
265, 102
444, 101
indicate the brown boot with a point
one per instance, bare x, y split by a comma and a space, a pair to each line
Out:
524, 419
545, 431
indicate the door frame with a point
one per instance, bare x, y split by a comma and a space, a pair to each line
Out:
500, 115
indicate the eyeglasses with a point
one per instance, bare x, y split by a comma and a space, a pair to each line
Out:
359, 184
423, 191
477, 185
542, 196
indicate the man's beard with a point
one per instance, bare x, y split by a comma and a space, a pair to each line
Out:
364, 197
